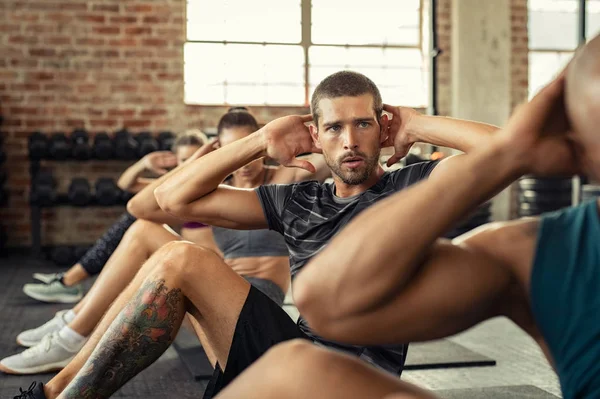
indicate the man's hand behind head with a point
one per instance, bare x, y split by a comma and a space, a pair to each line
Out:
286, 138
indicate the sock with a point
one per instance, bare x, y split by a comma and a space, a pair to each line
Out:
69, 316
71, 337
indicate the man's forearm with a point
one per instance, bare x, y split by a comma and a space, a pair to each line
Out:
358, 276
203, 175
453, 133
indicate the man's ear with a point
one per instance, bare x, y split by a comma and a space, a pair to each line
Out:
314, 133
384, 124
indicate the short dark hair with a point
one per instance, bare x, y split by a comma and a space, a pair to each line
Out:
236, 117
345, 84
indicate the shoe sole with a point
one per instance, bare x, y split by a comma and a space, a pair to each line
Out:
57, 366
53, 299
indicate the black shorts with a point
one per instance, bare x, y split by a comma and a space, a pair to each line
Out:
261, 324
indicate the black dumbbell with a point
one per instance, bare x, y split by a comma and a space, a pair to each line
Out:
62, 255
80, 140
3, 239
166, 140
2, 177
80, 192
2, 157
104, 147
59, 146
544, 184
126, 196
545, 197
38, 146
3, 196
107, 192
43, 189
146, 143
126, 147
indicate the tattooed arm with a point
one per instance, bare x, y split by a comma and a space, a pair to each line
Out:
138, 336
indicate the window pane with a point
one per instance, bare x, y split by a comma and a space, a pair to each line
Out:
593, 18
543, 67
553, 24
243, 74
243, 20
398, 73
353, 22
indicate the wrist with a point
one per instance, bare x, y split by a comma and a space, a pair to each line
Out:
259, 142
516, 163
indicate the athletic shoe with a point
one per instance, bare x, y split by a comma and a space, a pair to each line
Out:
34, 336
55, 292
47, 278
35, 391
52, 354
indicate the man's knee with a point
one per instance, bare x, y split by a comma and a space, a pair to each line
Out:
298, 356
138, 230
184, 258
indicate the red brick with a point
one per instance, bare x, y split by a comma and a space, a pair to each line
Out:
170, 76
170, 33
103, 123
9, 75
135, 8
138, 30
25, 87
124, 88
125, 113
59, 17
39, 76
155, 65
105, 7
75, 123
95, 112
90, 41
87, 88
42, 52
156, 19
125, 42
12, 122
5, 28
154, 42
58, 87
110, 65
153, 112
127, 19
106, 53
22, 39
73, 52
136, 123
92, 18
73, 6
138, 53
58, 40
39, 123
23, 17
106, 30
23, 110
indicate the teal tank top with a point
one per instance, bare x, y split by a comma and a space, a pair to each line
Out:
565, 296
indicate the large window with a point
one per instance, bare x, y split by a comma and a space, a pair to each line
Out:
553, 36
274, 52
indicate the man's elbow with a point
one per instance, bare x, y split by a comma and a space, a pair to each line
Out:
167, 204
135, 209
318, 308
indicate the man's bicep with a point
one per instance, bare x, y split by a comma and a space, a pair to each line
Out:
230, 208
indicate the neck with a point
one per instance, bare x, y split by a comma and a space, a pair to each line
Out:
255, 182
344, 190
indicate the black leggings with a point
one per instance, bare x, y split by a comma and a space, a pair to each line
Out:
96, 257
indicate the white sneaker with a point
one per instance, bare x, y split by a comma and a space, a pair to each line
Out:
54, 292
34, 336
47, 278
49, 355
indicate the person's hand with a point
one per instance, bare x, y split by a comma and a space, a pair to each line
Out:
286, 138
397, 133
205, 149
538, 133
159, 161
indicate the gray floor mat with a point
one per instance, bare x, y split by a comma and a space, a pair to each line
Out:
443, 354
520, 391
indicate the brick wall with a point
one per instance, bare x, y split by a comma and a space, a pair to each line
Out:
107, 64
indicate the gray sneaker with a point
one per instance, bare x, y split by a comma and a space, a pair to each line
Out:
34, 336
47, 278
49, 355
55, 292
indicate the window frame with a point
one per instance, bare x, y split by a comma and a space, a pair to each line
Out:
306, 43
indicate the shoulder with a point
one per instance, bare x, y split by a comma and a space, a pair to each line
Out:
411, 174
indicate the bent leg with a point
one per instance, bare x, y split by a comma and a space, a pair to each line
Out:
180, 276
299, 369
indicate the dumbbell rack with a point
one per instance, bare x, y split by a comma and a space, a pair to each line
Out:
3, 191
36, 209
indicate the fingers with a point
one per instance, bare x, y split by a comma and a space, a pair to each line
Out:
393, 159
391, 109
306, 118
299, 163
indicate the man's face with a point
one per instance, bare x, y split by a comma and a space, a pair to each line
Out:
349, 134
